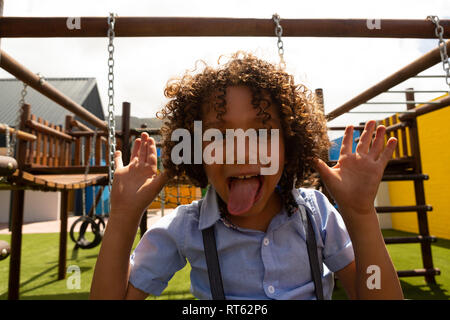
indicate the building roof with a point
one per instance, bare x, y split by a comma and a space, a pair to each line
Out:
83, 91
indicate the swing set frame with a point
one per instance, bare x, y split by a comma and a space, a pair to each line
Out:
69, 27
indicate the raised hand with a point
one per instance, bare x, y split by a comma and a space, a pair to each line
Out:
137, 184
353, 181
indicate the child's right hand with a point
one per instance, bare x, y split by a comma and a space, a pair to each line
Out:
136, 185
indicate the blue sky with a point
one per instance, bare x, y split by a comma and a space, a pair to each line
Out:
343, 67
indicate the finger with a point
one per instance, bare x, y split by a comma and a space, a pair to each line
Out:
378, 143
366, 137
386, 155
347, 141
151, 152
136, 146
118, 160
142, 154
323, 169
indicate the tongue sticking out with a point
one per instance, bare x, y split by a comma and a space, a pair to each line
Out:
242, 195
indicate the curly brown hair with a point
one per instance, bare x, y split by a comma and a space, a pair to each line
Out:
303, 123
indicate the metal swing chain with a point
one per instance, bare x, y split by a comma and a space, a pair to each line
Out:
279, 32
111, 109
10, 148
439, 32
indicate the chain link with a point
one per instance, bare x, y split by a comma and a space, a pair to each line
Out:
439, 32
279, 32
11, 146
111, 108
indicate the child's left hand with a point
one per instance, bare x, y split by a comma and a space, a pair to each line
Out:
353, 181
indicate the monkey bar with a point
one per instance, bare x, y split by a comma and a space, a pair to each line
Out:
421, 64
49, 27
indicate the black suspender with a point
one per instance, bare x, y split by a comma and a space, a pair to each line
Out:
316, 272
212, 264
212, 261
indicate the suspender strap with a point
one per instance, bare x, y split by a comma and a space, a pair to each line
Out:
212, 263
212, 259
311, 245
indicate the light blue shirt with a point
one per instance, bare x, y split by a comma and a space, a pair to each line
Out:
254, 264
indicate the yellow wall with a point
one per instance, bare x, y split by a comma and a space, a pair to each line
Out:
434, 138
187, 194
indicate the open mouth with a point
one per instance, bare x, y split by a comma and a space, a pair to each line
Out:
243, 192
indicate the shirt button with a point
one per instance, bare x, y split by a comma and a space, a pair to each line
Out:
271, 289
266, 241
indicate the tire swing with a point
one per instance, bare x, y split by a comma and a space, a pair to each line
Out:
5, 250
87, 220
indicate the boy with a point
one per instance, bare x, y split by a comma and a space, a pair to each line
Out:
261, 241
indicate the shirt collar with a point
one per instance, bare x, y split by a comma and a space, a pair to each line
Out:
209, 211
298, 197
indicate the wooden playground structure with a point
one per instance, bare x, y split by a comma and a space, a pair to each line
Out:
58, 159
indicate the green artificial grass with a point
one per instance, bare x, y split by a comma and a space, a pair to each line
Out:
40, 267
407, 257
39, 271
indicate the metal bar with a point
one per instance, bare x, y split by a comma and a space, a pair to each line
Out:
424, 62
341, 128
32, 27
401, 102
429, 76
384, 112
23, 74
417, 91
427, 108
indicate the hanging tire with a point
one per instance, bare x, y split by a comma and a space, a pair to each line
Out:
100, 223
81, 241
5, 249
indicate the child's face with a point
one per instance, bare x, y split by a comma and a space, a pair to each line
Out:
249, 196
